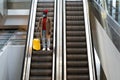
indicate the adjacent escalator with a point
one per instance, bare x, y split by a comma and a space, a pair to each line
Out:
76, 47
41, 61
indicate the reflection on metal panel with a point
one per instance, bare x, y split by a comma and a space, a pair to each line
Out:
115, 37
112, 6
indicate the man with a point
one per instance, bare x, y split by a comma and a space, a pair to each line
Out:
45, 25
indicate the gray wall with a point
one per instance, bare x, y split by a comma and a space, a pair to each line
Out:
107, 52
3, 64
11, 59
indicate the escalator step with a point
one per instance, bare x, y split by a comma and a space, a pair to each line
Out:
77, 71
75, 28
75, 33
75, 18
43, 4
41, 72
76, 64
41, 59
78, 77
76, 51
76, 39
75, 57
75, 13
46, 1
74, 8
75, 23
40, 78
71, 3
42, 53
76, 45
45, 65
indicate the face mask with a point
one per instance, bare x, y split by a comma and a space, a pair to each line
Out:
44, 15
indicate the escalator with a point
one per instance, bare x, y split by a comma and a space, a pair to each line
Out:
41, 61
76, 47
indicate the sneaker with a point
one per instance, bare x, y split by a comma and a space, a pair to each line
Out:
48, 49
43, 49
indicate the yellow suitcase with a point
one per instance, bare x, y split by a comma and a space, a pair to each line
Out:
36, 44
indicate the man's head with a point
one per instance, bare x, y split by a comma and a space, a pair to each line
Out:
45, 13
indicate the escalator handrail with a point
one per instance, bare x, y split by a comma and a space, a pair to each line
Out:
54, 40
28, 49
91, 62
59, 45
64, 42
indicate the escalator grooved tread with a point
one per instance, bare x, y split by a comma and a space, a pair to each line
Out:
74, 28
75, 57
76, 39
75, 33
42, 53
40, 78
41, 59
76, 51
77, 71
69, 8
76, 64
43, 65
70, 13
41, 72
75, 17
77, 23
78, 77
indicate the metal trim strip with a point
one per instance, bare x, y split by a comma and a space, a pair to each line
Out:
89, 41
59, 41
64, 37
54, 40
28, 51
